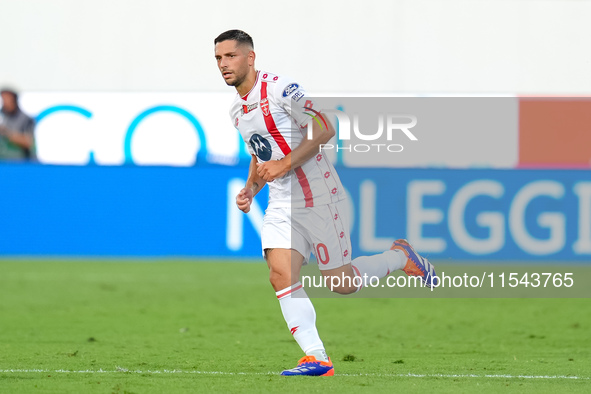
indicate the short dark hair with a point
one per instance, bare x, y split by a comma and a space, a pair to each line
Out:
12, 92
237, 35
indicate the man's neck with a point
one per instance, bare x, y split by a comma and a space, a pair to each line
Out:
248, 83
9, 113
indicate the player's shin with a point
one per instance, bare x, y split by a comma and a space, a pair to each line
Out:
300, 317
377, 266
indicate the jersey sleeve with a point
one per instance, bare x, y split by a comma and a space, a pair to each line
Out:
296, 102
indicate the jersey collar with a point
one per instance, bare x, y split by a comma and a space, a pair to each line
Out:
245, 97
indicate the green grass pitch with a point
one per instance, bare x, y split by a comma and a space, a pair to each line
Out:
105, 326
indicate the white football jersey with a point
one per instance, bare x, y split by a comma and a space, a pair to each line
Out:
272, 119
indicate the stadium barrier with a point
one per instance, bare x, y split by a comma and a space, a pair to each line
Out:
166, 211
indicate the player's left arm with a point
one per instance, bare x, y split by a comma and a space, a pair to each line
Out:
307, 149
294, 100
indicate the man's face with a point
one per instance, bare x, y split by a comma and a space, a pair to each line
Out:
233, 61
8, 102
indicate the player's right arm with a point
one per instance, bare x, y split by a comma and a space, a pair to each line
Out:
254, 184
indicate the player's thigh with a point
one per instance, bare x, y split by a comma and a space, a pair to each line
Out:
284, 267
283, 248
277, 233
327, 229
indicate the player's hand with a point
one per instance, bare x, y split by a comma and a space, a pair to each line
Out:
271, 170
244, 199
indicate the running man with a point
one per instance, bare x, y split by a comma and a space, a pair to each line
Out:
305, 209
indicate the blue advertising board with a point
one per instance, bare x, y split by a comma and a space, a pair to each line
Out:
167, 211
468, 214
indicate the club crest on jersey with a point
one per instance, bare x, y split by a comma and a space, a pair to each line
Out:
261, 147
290, 89
265, 106
247, 108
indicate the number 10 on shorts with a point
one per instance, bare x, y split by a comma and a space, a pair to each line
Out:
322, 253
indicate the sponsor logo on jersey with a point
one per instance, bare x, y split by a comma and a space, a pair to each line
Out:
297, 96
290, 89
247, 108
261, 147
265, 106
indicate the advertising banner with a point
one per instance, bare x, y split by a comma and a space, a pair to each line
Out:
167, 211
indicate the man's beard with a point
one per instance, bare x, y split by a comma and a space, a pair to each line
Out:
237, 82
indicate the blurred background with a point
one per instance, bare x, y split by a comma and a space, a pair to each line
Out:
133, 152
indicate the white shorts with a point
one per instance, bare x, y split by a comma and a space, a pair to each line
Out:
322, 230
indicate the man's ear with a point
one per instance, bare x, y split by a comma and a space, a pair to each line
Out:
251, 57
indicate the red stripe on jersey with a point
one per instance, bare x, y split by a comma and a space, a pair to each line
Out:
270, 123
308, 198
272, 129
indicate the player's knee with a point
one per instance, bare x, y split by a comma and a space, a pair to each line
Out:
340, 284
344, 290
279, 279
275, 276
340, 281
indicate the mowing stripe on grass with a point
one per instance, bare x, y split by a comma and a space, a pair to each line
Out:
119, 370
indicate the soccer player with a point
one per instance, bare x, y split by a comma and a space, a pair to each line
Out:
305, 213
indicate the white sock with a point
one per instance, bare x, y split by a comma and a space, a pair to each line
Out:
379, 265
300, 317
